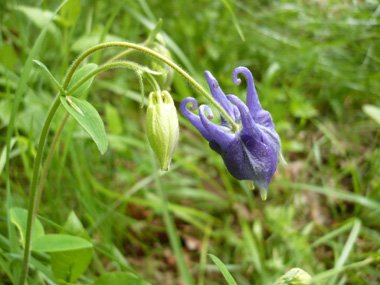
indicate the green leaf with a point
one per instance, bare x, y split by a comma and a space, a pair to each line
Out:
40, 18
373, 112
59, 242
227, 275
19, 218
153, 33
79, 75
49, 74
88, 118
71, 12
73, 226
120, 278
70, 265
3, 154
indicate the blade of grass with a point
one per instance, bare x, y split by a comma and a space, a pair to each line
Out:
333, 234
170, 227
223, 269
347, 248
252, 247
344, 195
334, 271
43, 66
203, 258
148, 12
234, 19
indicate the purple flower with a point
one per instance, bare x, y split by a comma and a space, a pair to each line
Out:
252, 152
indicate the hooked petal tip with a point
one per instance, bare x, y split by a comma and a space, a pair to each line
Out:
192, 101
210, 114
238, 70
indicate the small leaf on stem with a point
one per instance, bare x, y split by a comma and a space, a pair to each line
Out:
79, 75
87, 116
50, 75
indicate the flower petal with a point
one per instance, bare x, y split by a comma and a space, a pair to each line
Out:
236, 115
251, 159
253, 102
194, 119
249, 125
264, 118
219, 133
274, 141
219, 95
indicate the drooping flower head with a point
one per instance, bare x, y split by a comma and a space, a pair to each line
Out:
252, 152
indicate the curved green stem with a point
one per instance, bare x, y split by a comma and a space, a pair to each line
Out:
122, 64
32, 198
155, 54
124, 53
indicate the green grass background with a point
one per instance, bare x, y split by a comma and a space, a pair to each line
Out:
315, 64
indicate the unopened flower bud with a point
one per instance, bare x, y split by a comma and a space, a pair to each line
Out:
295, 276
162, 127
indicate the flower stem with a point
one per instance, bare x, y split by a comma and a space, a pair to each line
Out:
167, 61
116, 64
33, 189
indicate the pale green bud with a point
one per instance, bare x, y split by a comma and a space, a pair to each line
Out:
162, 127
295, 276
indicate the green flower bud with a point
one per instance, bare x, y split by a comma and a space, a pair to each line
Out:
162, 127
295, 276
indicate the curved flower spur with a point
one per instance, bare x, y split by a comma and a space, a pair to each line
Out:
252, 152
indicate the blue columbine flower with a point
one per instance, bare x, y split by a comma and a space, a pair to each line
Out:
253, 151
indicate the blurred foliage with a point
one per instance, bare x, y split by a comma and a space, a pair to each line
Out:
315, 64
